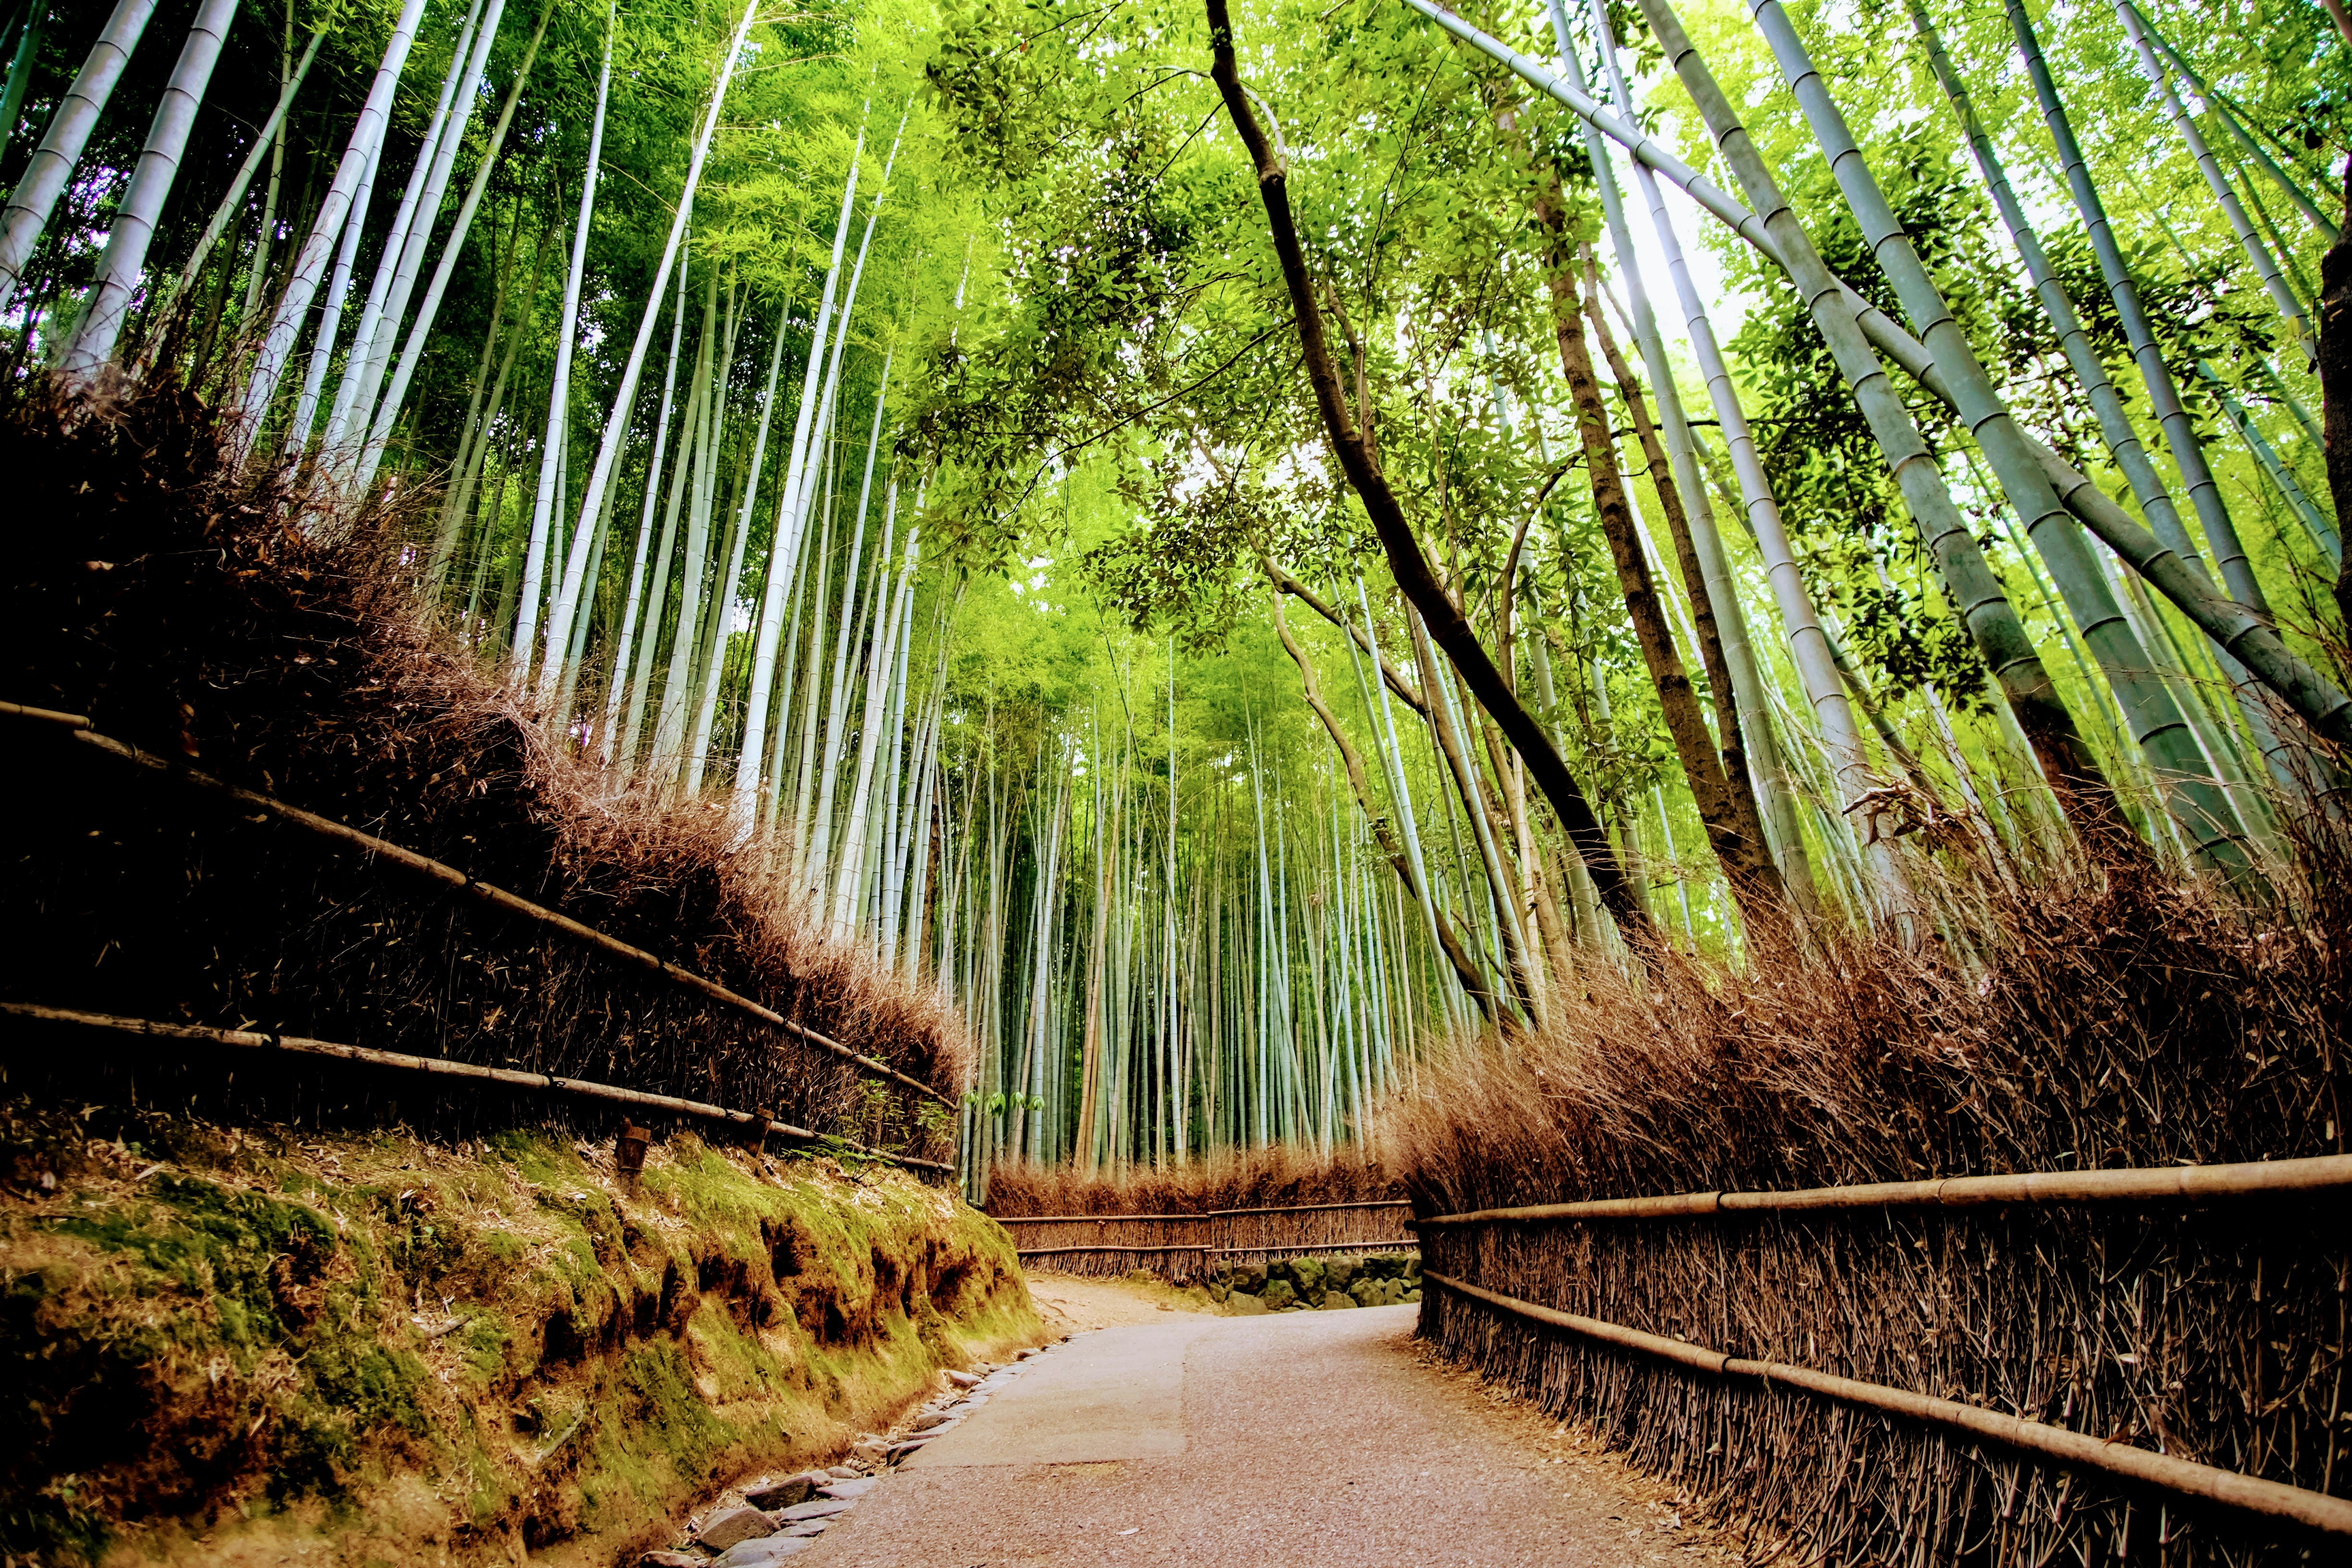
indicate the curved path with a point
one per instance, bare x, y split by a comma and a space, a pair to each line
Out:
1308, 1438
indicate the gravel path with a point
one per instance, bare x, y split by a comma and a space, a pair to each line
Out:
1304, 1438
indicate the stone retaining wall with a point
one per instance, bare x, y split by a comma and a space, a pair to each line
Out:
1297, 1284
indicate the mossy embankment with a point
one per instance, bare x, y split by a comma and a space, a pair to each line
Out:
229, 1345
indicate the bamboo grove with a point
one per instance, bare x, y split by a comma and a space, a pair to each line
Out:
1242, 542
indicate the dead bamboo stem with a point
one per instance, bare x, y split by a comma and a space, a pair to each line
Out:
2272, 1499
1198, 1213
2319, 1173
432, 870
441, 1067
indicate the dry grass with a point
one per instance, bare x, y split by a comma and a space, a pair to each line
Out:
2117, 1018
1252, 1178
273, 641
1160, 1220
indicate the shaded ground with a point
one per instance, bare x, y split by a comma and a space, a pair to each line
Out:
1072, 1305
1184, 1438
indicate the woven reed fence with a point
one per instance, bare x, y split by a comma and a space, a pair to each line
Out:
813, 1075
1185, 1248
2147, 1365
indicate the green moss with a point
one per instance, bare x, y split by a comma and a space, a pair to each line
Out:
249, 1340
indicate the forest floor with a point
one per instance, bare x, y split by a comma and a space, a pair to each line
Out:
1072, 1305
1159, 1435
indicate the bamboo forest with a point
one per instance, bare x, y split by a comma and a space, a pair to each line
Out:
1211, 609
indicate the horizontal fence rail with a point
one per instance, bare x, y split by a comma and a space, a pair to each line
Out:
750, 1121
1187, 1244
2209, 1483
2319, 1173
431, 871
1200, 1214
1394, 1244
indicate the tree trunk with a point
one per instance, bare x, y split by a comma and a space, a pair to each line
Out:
125, 260
1738, 840
1474, 984
359, 156
1361, 461
2336, 380
420, 331
624, 395
559, 410
1745, 818
339, 289
52, 166
271, 136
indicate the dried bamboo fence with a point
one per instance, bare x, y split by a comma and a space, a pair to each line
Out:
2148, 1363
434, 874
1185, 1248
758, 1125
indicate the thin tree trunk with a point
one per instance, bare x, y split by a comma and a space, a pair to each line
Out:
358, 157
2155, 720
624, 396
623, 687
792, 525
1745, 819
2336, 378
730, 580
559, 413
1976, 592
2228, 621
31, 18
270, 140
420, 331
371, 428
1359, 457
125, 258
51, 169
2290, 309
349, 415
1738, 838
1472, 983
330, 316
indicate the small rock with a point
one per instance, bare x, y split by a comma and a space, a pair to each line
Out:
787, 1492
908, 1449
1242, 1304
808, 1527
760, 1553
1335, 1300
1338, 1271
734, 1526
1022, 1355
849, 1472
1308, 1273
815, 1508
963, 1379
1277, 1294
931, 1418
669, 1560
1412, 1295
855, 1489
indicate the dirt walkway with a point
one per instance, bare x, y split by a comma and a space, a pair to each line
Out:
1176, 1437
1072, 1305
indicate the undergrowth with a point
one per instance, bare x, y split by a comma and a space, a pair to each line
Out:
232, 620
1243, 1178
224, 1342
2106, 1017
